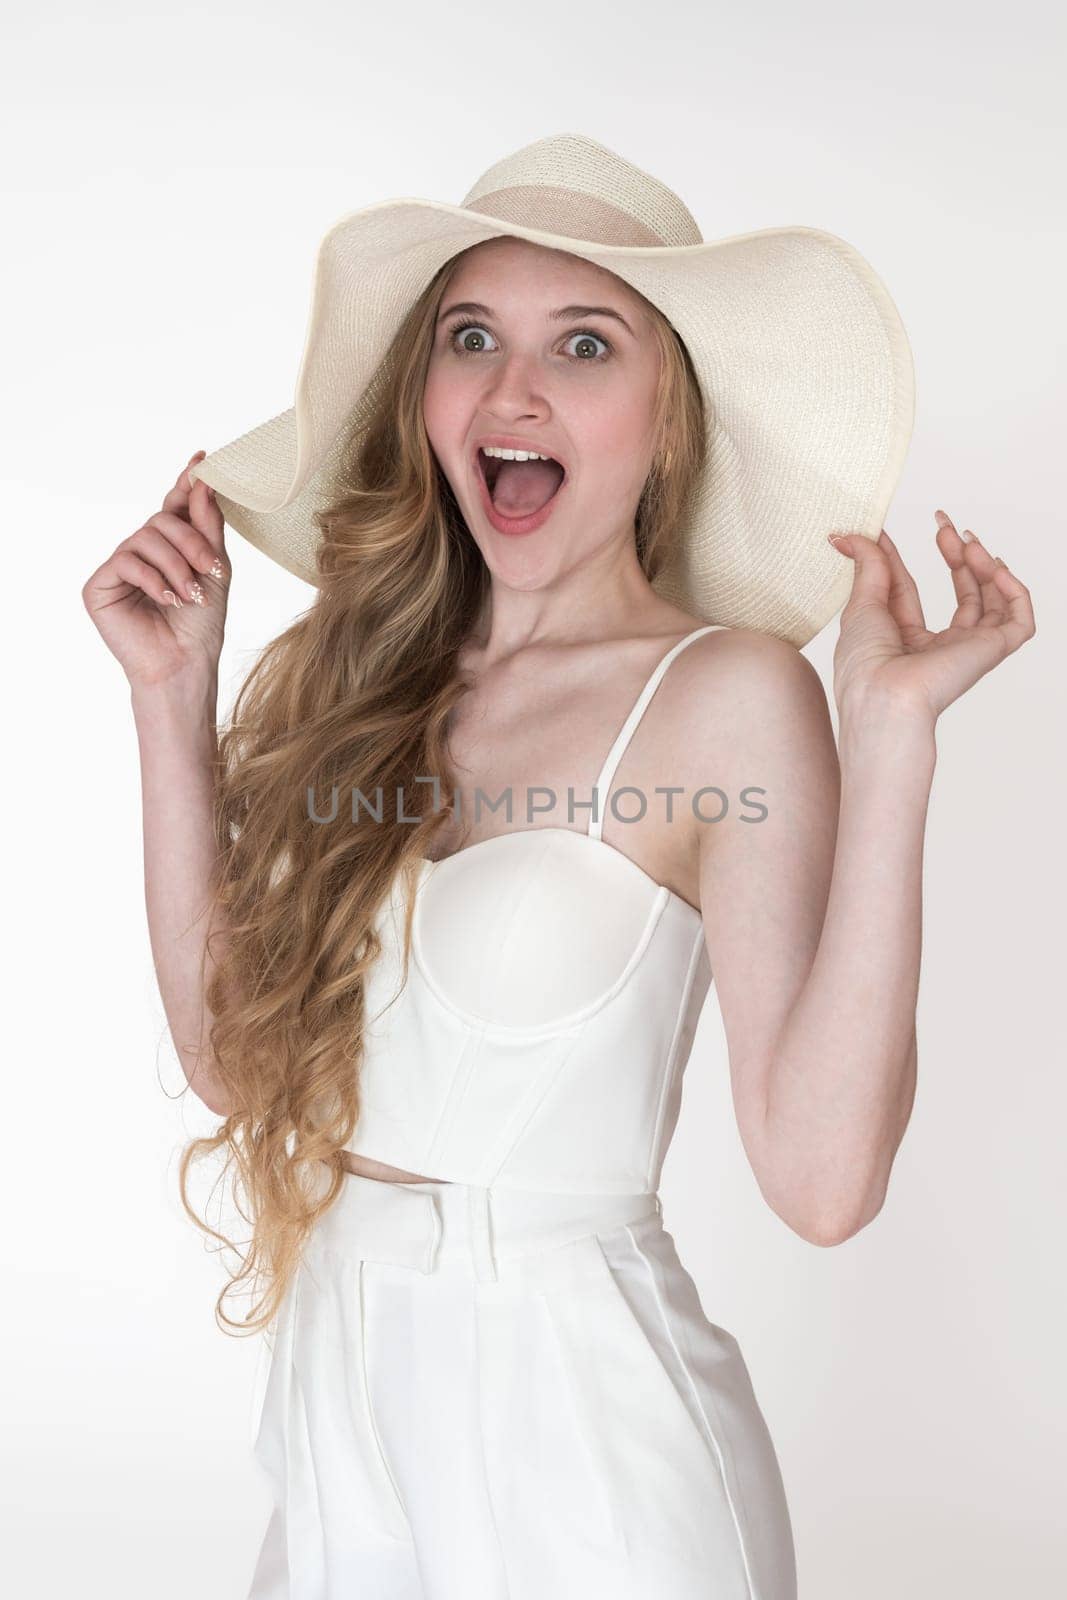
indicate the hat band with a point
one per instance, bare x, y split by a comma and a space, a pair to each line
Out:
551, 209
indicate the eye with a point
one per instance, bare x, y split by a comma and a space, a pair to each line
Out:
461, 348
595, 337
464, 327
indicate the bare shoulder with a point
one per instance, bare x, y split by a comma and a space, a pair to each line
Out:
750, 714
746, 683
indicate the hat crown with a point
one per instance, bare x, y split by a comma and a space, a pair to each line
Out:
575, 186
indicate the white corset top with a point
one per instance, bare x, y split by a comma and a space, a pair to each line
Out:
551, 1001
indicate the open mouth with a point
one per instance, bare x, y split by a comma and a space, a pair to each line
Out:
520, 488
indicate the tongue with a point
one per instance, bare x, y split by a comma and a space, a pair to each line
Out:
523, 487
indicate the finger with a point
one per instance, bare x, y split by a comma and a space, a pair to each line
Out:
204, 513
968, 589
194, 544
984, 567
1020, 624
904, 601
871, 583
199, 505
969, 607
178, 494
208, 559
979, 568
127, 565
154, 545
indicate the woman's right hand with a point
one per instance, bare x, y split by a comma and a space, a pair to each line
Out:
153, 637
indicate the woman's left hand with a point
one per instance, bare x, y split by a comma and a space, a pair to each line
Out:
885, 650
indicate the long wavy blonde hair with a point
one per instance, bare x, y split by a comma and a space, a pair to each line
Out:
354, 696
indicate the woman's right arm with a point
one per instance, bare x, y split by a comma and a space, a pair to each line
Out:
176, 738
170, 653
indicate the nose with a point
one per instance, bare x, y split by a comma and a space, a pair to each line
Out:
515, 387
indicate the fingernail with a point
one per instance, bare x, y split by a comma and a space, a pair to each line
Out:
216, 571
967, 536
196, 594
941, 519
168, 594
835, 540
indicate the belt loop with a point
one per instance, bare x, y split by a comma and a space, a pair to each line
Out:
435, 1232
481, 1233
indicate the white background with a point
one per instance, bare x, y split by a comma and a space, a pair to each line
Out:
168, 174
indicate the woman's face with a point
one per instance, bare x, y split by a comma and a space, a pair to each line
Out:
579, 387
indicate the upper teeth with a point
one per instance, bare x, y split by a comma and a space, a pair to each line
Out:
512, 455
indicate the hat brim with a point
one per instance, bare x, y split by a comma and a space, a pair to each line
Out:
801, 352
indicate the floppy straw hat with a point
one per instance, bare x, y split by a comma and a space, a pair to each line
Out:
803, 360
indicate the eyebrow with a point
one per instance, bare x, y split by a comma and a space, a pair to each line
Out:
563, 314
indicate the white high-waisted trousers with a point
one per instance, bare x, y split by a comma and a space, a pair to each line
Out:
479, 1394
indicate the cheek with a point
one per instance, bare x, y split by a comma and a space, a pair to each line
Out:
434, 408
446, 413
446, 425
615, 423
621, 448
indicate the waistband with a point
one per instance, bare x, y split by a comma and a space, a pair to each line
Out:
423, 1225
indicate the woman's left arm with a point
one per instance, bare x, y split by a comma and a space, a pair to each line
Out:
832, 1067
842, 1079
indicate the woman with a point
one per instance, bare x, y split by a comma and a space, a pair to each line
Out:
447, 1044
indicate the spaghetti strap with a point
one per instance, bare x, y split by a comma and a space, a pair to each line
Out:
602, 787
